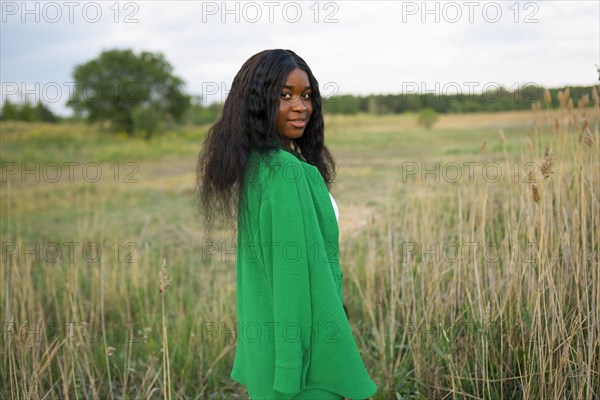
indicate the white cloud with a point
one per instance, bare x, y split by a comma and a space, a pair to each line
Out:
375, 47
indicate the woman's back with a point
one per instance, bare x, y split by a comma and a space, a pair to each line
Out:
293, 332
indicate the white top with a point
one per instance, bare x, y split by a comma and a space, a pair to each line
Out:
335, 207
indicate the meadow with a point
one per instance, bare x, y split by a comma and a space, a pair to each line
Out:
469, 255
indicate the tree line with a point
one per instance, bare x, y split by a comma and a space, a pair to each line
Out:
497, 99
139, 94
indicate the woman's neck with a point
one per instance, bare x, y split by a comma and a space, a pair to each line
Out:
287, 144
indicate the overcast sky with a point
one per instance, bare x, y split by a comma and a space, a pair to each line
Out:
352, 47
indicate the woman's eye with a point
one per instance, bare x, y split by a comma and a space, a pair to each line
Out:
288, 96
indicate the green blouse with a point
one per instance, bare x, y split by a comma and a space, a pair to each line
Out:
293, 332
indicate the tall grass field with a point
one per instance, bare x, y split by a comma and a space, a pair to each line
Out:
469, 253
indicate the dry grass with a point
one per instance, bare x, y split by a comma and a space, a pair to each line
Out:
525, 326
436, 314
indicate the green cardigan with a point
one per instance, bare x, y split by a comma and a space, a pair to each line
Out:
293, 332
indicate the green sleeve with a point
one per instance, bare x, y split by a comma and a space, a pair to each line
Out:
283, 227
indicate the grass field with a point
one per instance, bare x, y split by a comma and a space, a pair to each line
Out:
467, 274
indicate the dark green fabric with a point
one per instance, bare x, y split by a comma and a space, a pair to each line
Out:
317, 394
293, 333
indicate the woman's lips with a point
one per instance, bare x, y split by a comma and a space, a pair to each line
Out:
298, 123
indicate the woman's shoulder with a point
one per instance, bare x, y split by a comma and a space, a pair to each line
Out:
276, 173
273, 155
276, 164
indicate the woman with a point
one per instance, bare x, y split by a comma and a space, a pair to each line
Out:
294, 339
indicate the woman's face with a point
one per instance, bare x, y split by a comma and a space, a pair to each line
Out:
295, 106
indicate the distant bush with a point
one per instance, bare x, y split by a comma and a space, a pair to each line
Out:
345, 104
199, 114
27, 112
427, 117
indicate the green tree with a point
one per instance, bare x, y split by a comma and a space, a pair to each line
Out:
27, 112
344, 104
10, 110
427, 117
122, 87
199, 114
43, 113
146, 121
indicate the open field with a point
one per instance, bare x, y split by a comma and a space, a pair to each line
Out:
467, 274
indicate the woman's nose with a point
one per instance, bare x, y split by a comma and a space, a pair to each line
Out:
299, 104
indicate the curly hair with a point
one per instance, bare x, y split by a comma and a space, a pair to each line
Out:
248, 121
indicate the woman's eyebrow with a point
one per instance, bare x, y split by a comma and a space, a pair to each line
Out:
292, 87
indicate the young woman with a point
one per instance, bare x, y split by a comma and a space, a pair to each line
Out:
264, 164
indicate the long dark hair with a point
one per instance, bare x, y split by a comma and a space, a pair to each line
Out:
248, 121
